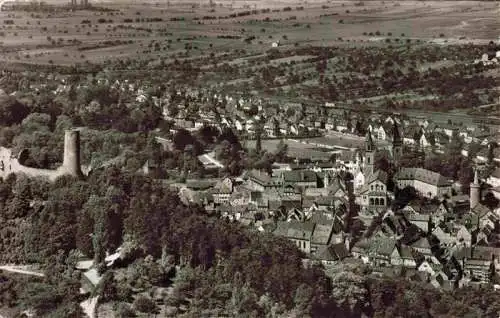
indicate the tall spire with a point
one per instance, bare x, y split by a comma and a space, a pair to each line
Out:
397, 144
369, 154
476, 177
369, 144
396, 134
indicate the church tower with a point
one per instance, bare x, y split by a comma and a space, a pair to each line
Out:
397, 144
369, 154
475, 195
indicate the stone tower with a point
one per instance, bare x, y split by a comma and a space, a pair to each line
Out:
397, 144
369, 154
71, 162
475, 195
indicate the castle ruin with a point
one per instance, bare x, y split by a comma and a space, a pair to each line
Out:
71, 162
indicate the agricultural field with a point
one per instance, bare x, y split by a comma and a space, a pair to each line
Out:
166, 31
373, 55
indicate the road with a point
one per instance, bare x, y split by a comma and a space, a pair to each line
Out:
20, 270
89, 306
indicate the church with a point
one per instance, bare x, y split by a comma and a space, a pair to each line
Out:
370, 184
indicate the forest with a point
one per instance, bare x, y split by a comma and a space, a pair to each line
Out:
214, 267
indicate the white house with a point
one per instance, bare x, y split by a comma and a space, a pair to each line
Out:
380, 133
494, 178
427, 268
423, 142
359, 180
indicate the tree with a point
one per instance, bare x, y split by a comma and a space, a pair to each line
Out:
13, 111
491, 152
412, 158
146, 305
36, 122
350, 292
258, 137
491, 201
281, 151
41, 297
303, 300
182, 138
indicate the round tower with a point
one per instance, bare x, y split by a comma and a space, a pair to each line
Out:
475, 191
71, 162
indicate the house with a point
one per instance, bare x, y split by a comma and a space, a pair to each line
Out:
360, 250
445, 239
479, 262
426, 267
448, 129
412, 134
239, 197
298, 232
442, 281
459, 204
423, 246
422, 221
381, 250
439, 213
359, 180
350, 160
494, 178
321, 236
380, 133
477, 268
428, 183
464, 236
300, 178
222, 191
329, 255
260, 181
496, 192
402, 256
423, 141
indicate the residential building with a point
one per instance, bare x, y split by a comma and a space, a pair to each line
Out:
403, 256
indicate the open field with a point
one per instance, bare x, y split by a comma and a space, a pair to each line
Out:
166, 31
296, 148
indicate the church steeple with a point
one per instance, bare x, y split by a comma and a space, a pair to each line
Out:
369, 154
369, 144
397, 143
